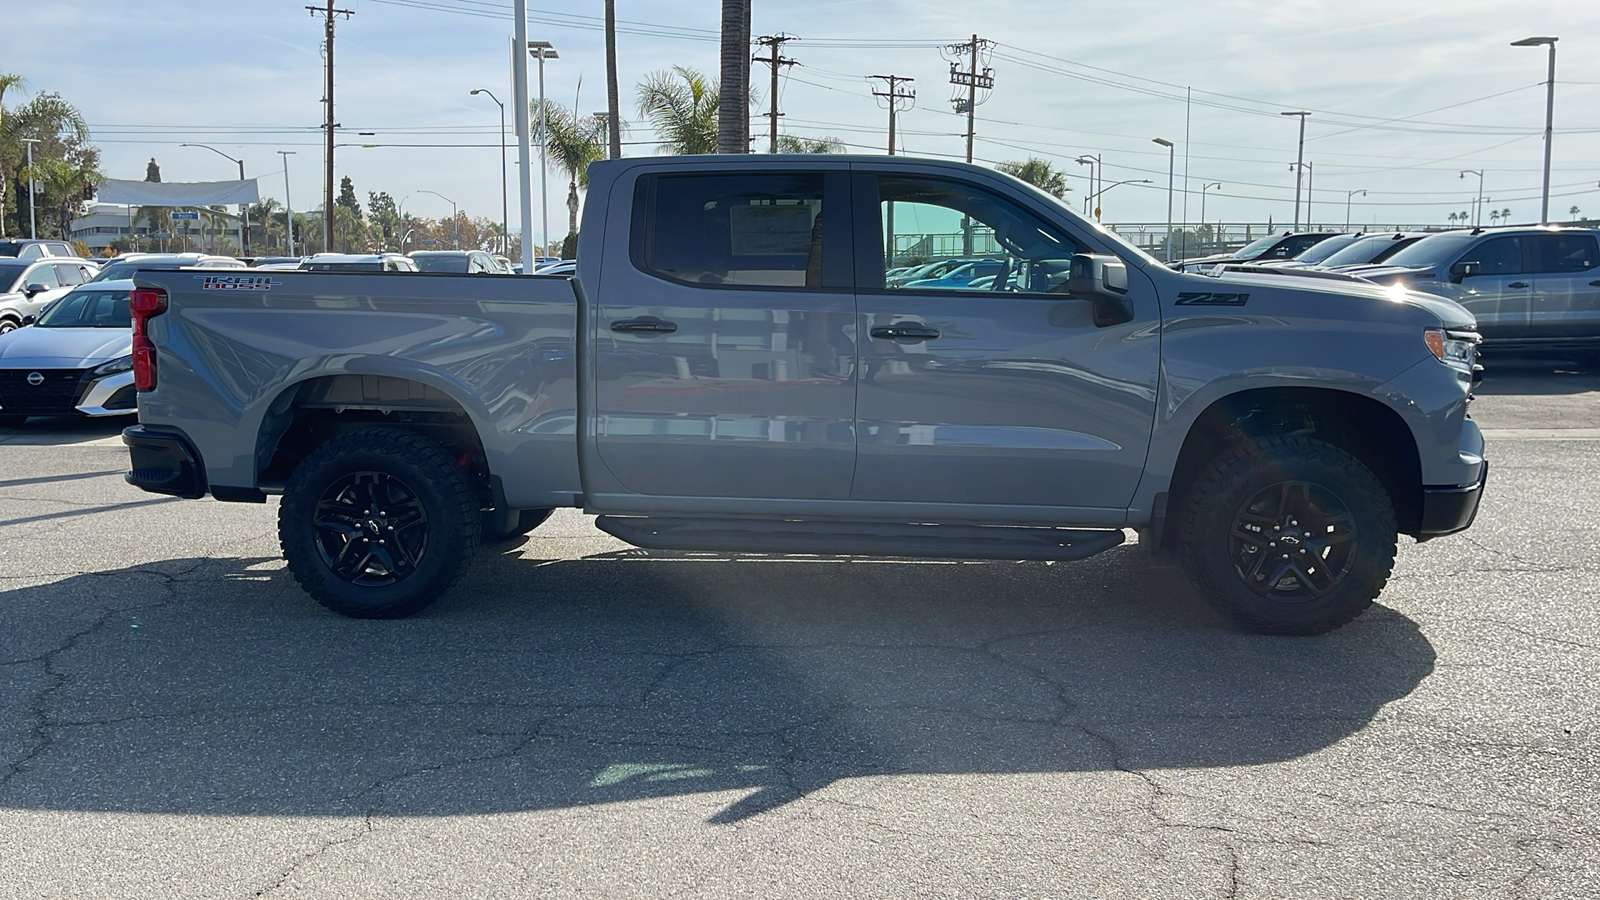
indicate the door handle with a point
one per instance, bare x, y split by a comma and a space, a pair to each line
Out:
644, 325
1517, 284
904, 332
1594, 284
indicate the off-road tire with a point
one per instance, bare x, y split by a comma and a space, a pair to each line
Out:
1217, 529
401, 469
527, 521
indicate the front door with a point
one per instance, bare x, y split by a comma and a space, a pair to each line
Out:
1003, 390
1501, 295
724, 352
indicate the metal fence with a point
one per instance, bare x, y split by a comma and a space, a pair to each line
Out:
1192, 240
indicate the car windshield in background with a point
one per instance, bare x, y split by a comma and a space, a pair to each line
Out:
341, 267
1362, 251
117, 271
11, 275
440, 263
1256, 248
1431, 251
1321, 250
88, 309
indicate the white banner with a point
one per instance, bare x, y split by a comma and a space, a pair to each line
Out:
186, 193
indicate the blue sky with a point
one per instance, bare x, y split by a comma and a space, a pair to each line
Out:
1404, 95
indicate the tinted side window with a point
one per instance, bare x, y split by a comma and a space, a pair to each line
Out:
68, 274
1497, 256
732, 229
1566, 252
993, 245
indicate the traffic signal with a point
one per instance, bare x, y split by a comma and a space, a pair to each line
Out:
387, 231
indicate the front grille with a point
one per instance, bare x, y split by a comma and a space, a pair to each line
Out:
57, 395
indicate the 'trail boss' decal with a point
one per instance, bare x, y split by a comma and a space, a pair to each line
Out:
236, 282
1210, 298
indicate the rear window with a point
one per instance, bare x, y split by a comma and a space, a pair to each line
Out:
741, 230
441, 263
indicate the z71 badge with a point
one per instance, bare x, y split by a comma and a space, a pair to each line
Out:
1211, 298
237, 282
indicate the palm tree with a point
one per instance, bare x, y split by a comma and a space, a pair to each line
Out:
789, 143
1038, 173
1573, 212
571, 144
1494, 216
1505, 214
1451, 218
61, 190
681, 105
733, 123
7, 81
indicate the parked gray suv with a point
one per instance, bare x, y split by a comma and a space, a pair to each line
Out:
1534, 291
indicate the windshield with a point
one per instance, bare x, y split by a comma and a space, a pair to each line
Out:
1256, 248
1362, 251
1432, 251
115, 271
88, 309
1323, 249
441, 263
10, 275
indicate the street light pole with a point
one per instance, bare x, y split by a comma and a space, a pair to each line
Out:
244, 208
1477, 216
1299, 156
1549, 118
1206, 187
543, 50
1093, 162
1170, 159
519, 104
1096, 198
505, 209
288, 205
457, 222
1347, 197
33, 227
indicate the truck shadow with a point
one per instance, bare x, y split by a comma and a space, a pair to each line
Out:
215, 687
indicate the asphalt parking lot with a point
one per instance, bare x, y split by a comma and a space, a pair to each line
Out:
581, 719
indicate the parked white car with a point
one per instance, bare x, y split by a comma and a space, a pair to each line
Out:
76, 360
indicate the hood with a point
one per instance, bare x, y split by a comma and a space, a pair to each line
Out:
63, 348
1449, 313
1380, 270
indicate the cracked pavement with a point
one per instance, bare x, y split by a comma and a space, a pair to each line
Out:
582, 719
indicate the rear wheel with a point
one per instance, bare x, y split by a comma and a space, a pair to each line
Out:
377, 524
1289, 536
8, 325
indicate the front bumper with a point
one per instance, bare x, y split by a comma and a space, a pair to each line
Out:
1447, 510
164, 462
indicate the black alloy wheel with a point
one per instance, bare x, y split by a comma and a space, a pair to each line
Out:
1293, 541
371, 529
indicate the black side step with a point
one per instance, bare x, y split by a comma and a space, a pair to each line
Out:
838, 538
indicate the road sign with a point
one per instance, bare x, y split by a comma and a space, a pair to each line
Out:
190, 215
162, 235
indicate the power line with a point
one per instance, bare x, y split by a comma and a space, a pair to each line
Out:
774, 43
893, 97
329, 14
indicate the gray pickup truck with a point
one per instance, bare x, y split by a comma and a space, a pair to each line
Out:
729, 371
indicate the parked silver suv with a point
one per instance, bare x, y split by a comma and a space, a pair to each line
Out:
1534, 290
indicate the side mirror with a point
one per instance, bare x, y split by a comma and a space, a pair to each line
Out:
29, 320
1464, 269
33, 290
1102, 278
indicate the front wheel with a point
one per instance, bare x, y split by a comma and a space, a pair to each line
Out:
377, 524
1289, 535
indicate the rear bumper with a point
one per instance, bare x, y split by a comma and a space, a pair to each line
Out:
1447, 510
164, 462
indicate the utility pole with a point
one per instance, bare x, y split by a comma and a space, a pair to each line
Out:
543, 50
893, 96
519, 103
972, 80
328, 12
1299, 157
774, 44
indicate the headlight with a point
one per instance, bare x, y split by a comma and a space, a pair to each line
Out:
116, 366
1456, 349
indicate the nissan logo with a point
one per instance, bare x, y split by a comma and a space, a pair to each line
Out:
36, 378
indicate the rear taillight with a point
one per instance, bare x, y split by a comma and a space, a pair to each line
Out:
145, 305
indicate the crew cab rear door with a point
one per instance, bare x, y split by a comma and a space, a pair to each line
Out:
723, 346
1006, 393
